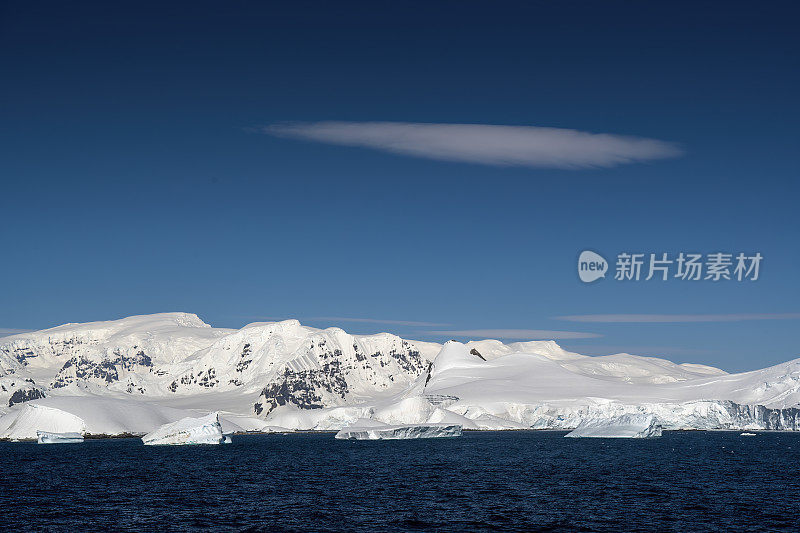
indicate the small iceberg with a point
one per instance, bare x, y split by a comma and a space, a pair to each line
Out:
202, 430
366, 429
46, 437
746, 434
625, 426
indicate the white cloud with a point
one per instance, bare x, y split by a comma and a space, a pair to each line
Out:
336, 319
377, 321
638, 318
646, 350
520, 334
527, 146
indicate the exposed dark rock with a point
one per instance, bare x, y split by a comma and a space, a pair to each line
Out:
476, 352
56, 347
312, 389
242, 365
25, 395
106, 370
427, 379
302, 389
208, 378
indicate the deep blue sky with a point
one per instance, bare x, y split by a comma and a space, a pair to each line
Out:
131, 181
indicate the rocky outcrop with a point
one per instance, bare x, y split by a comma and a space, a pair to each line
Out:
25, 395
103, 370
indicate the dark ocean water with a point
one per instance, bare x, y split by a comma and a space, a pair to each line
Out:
504, 481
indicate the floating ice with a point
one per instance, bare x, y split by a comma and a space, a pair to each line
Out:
364, 429
202, 430
625, 426
46, 437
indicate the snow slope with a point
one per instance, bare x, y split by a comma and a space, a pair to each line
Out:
539, 391
85, 415
560, 390
93, 415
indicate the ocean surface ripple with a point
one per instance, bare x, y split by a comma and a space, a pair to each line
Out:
483, 481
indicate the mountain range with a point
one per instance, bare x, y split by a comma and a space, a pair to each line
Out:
108, 377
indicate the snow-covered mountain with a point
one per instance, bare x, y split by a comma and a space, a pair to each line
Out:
177, 358
543, 391
286, 374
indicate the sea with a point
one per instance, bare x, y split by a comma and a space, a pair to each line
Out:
482, 481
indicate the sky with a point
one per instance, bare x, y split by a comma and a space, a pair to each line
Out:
431, 169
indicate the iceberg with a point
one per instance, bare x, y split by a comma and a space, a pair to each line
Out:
46, 437
365, 429
625, 426
202, 430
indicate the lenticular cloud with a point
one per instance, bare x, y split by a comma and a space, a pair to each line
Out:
527, 146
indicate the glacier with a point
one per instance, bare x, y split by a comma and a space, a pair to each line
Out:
625, 426
201, 430
367, 429
133, 375
92, 415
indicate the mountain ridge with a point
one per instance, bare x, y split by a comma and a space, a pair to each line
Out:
292, 375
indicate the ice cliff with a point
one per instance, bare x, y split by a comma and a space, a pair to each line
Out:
625, 426
366, 429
